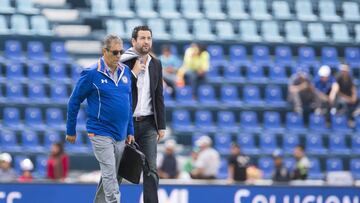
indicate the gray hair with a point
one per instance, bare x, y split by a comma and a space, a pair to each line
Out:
108, 39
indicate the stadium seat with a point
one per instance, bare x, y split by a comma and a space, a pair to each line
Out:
294, 122
223, 170
36, 52
314, 145
355, 144
6, 7
167, 9
36, 71
206, 96
115, 26
216, 55
232, 73
81, 120
58, 51
315, 170
229, 96
329, 56
17, 161
40, 25
272, 121
290, 141
271, 32
180, 30
181, 121
226, 121
266, 165
236, 10
317, 123
100, 7
121, 8
184, 96
274, 96
351, 11
204, 121
281, 10
191, 9
357, 33
58, 93
277, 74
255, 73
30, 141
34, 118
13, 50
212, 10
339, 124
158, 28
306, 56
15, 93
145, 9
340, 33
304, 10
337, 145
55, 118
4, 28
76, 71
246, 142
316, 32
251, 96
327, 11
222, 143
249, 121
11, 118
352, 56
8, 141
40, 166
258, 10
58, 72
267, 143
334, 164
202, 30
19, 24
294, 32
51, 137
355, 167
15, 71
284, 56
289, 163
26, 7
213, 75
225, 30
131, 24
36, 93
261, 55
238, 55
248, 31
168, 100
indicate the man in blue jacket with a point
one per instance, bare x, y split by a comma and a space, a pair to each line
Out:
107, 87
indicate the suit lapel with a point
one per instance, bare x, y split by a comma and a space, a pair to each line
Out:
152, 76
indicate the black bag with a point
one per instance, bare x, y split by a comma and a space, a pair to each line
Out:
132, 163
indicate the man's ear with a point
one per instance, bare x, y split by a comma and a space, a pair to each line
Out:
133, 41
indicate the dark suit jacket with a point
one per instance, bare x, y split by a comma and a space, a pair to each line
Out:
156, 90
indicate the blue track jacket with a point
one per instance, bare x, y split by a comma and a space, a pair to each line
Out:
109, 109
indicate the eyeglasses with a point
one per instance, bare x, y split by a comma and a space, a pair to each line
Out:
116, 52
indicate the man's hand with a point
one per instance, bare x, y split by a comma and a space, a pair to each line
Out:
130, 139
160, 135
71, 138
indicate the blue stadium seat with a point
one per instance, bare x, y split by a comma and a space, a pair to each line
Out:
277, 74
261, 55
249, 31
329, 56
355, 167
351, 11
337, 145
181, 121
225, 30
314, 145
306, 55
284, 56
315, 170
281, 10
36, 93
339, 124
236, 9
266, 165
226, 121
255, 73
179, 29
274, 96
13, 50
204, 121
327, 11
294, 122
217, 54
167, 9
247, 145
334, 164
121, 8
19, 24
30, 141
213, 75
76, 71
40, 25
145, 9
9, 142
267, 143
51, 137
272, 121
15, 93
222, 143
58, 93
340, 33
304, 10
294, 32
206, 95
355, 144
238, 55
40, 166
258, 10
271, 32
36, 72
289, 163
229, 96
35, 51
15, 71
202, 30
249, 121
191, 9
81, 120
58, 51
184, 96
213, 10
168, 100
316, 32
58, 72
11, 118
55, 118
251, 95
158, 28
317, 123
290, 141
223, 170
34, 118
352, 56
100, 8
232, 73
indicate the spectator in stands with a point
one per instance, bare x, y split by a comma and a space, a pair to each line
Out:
171, 64
281, 173
58, 163
237, 164
343, 95
302, 164
190, 162
207, 163
195, 65
302, 93
26, 167
323, 83
7, 173
168, 167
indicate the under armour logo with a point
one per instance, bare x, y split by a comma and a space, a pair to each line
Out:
103, 81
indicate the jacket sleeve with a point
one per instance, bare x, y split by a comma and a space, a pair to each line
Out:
130, 130
159, 96
81, 91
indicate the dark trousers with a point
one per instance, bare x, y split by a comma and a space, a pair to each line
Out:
146, 137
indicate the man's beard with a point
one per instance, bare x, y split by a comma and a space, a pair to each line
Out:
144, 51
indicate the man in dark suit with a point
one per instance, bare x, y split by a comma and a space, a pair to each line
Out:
148, 103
